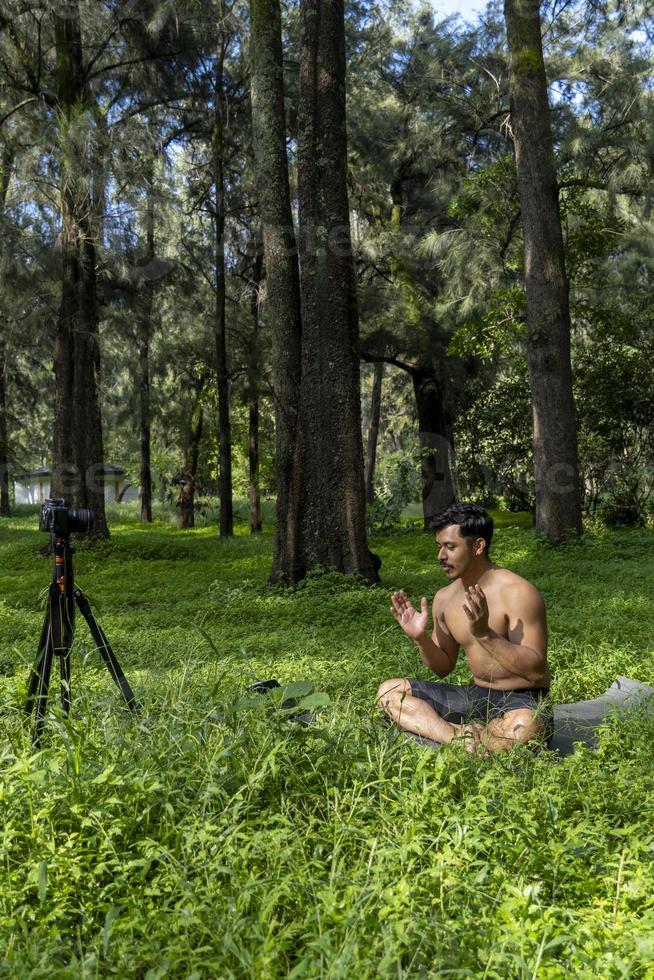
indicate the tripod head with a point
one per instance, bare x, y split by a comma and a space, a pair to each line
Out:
58, 519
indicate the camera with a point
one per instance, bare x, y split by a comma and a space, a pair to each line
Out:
57, 518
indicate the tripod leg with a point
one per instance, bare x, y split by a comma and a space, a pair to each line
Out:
40, 697
51, 641
56, 639
36, 667
107, 654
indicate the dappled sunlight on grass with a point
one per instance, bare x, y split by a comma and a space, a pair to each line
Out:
215, 836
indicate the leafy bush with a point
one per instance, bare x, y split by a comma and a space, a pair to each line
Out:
493, 440
620, 513
616, 440
397, 483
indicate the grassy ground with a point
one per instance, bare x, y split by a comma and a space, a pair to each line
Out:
216, 838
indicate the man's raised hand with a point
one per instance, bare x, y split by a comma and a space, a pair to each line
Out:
476, 609
414, 623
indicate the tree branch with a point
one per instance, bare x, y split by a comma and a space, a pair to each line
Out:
388, 359
8, 115
597, 185
132, 61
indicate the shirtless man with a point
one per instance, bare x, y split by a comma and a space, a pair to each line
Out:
499, 620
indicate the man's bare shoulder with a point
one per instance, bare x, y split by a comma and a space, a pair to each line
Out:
512, 585
444, 595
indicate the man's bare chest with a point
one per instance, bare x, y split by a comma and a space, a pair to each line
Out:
458, 624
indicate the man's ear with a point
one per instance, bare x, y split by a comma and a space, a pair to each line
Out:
480, 547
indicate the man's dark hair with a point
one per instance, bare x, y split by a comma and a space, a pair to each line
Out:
472, 519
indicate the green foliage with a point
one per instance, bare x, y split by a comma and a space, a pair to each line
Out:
216, 837
484, 193
397, 483
616, 512
594, 228
497, 330
613, 393
493, 437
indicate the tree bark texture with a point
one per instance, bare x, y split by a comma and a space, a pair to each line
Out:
282, 285
556, 468
373, 432
146, 306
254, 492
145, 482
330, 492
78, 456
224, 426
186, 499
5, 510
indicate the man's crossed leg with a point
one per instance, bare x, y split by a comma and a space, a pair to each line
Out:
482, 720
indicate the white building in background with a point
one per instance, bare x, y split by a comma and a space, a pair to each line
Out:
34, 487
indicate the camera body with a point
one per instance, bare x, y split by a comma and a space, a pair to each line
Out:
57, 518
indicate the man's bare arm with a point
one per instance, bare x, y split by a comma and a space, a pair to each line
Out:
438, 651
440, 661
524, 653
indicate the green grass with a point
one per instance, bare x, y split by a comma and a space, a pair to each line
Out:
214, 837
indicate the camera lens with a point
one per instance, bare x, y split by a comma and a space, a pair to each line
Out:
80, 519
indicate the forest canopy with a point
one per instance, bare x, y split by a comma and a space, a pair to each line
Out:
163, 166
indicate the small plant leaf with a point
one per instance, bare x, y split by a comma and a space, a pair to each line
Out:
43, 880
106, 929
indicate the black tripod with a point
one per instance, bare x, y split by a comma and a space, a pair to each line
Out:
57, 639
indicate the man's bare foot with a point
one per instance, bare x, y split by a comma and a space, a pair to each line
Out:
470, 738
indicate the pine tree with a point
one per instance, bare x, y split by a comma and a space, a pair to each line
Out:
556, 468
328, 485
78, 456
281, 306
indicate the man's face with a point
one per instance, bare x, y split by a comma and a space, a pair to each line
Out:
455, 553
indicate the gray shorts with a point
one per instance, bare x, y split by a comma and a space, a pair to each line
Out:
460, 703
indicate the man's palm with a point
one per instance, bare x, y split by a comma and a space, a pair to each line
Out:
413, 622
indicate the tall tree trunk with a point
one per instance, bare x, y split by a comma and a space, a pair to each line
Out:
5, 510
78, 456
282, 286
556, 468
254, 493
373, 432
146, 306
186, 500
145, 491
224, 427
436, 459
331, 491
